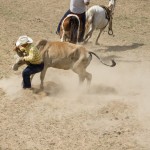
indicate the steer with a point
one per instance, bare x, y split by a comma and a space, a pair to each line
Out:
64, 55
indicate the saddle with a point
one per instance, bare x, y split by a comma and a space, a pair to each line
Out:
107, 12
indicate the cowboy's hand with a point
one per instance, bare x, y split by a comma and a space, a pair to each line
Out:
21, 48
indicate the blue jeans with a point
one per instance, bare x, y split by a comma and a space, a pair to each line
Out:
28, 71
82, 18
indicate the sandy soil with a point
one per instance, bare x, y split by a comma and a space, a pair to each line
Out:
113, 114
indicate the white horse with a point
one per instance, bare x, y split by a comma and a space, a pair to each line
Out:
98, 17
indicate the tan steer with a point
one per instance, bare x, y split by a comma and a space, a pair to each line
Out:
63, 55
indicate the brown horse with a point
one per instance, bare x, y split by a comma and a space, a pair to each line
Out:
70, 28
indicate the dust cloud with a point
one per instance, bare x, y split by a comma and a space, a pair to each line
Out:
122, 80
112, 114
115, 94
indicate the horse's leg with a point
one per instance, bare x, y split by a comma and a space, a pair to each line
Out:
42, 76
89, 34
96, 42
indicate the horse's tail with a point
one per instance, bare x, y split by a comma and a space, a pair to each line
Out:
74, 28
113, 62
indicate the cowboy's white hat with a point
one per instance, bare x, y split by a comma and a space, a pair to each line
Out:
23, 40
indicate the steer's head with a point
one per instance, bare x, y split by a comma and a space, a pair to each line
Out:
19, 52
19, 62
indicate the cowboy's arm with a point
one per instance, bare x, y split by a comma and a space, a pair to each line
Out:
31, 55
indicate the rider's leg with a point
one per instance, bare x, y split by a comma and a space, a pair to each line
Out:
82, 29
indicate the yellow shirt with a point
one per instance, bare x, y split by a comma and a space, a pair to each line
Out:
33, 54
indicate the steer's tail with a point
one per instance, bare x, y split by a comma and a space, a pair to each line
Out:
113, 62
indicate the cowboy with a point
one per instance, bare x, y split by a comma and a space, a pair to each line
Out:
77, 7
31, 55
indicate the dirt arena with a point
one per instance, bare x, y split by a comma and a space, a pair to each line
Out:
113, 115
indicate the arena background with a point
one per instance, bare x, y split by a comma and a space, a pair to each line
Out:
113, 115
